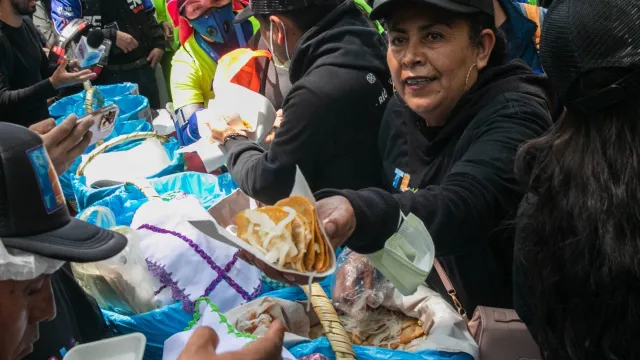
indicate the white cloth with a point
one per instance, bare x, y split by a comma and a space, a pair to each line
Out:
230, 338
187, 263
144, 160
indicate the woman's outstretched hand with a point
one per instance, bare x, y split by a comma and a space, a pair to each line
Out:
338, 219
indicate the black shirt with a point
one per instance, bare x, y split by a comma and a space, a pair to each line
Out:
459, 180
24, 75
332, 114
78, 319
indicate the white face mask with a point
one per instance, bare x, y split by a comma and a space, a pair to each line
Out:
277, 62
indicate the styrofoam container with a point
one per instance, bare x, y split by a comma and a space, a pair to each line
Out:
126, 347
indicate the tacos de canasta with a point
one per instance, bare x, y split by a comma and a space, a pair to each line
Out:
287, 234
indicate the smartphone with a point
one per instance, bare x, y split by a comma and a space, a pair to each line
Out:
104, 120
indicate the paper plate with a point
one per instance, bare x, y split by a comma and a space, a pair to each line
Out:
213, 229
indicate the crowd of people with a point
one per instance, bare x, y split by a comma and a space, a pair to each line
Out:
509, 129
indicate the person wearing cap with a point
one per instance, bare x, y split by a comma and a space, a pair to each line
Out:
332, 113
576, 273
138, 40
37, 236
448, 139
206, 33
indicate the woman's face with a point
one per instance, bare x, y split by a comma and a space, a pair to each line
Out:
430, 57
23, 304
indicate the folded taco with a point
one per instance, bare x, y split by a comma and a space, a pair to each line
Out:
287, 234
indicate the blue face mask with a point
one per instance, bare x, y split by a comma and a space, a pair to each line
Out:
216, 24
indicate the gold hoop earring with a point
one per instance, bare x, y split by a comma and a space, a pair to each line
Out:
466, 82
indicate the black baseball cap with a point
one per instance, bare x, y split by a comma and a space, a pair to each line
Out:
580, 36
33, 214
381, 8
264, 7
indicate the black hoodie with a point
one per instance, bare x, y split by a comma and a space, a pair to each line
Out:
460, 180
332, 114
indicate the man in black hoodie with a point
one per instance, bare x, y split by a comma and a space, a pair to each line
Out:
331, 115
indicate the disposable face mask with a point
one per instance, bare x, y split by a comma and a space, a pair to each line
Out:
276, 61
19, 265
407, 257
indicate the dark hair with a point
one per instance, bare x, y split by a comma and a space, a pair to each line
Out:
306, 18
581, 236
479, 22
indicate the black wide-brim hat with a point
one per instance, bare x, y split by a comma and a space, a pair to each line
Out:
33, 211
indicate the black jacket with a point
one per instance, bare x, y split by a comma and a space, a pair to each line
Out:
134, 17
24, 75
461, 178
331, 114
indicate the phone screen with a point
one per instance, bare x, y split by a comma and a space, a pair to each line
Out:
104, 121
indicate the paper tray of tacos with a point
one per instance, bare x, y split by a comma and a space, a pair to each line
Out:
287, 236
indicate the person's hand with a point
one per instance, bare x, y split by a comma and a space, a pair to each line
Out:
204, 341
125, 42
276, 126
61, 77
354, 285
338, 219
219, 134
64, 142
154, 57
168, 31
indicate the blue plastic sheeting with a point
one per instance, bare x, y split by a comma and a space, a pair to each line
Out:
124, 201
157, 326
322, 346
68, 105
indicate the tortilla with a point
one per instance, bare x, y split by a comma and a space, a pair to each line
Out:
285, 246
303, 232
314, 249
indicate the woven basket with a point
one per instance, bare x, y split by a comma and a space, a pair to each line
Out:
335, 332
117, 141
92, 97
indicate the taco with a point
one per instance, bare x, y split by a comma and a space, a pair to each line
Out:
287, 234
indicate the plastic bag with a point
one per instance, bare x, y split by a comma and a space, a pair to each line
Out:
322, 346
357, 285
122, 283
124, 201
157, 326
66, 105
121, 128
133, 107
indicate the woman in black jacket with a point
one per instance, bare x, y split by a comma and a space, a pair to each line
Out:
448, 141
577, 269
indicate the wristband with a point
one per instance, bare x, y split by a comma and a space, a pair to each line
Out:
233, 136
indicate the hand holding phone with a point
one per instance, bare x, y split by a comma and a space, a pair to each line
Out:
104, 120
64, 142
